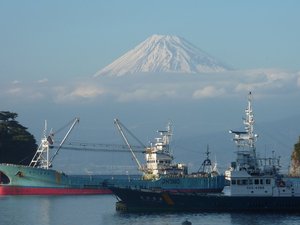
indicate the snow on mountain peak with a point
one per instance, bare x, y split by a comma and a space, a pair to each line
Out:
163, 53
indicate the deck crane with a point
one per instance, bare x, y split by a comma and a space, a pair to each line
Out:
121, 129
100, 147
42, 156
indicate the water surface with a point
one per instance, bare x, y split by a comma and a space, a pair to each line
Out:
100, 209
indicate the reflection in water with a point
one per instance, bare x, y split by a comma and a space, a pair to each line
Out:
264, 218
98, 210
45, 211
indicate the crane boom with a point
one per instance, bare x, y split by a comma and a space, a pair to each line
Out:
41, 157
100, 147
75, 121
119, 126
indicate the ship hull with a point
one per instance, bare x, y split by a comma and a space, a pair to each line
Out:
145, 200
25, 180
21, 190
175, 184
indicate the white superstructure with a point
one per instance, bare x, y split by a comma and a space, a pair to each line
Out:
253, 176
159, 158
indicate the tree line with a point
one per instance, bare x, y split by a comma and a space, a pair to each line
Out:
17, 145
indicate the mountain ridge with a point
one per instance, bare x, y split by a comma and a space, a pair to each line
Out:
163, 53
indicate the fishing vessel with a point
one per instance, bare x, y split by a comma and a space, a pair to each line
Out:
255, 184
39, 178
161, 174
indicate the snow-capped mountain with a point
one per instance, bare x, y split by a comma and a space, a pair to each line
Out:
163, 53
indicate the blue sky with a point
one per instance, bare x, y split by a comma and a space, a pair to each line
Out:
50, 50
77, 38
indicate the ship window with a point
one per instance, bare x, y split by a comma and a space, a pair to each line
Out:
233, 182
244, 182
3, 178
268, 181
256, 181
238, 182
261, 181
250, 181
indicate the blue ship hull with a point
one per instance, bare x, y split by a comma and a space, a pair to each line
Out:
146, 200
26, 180
183, 184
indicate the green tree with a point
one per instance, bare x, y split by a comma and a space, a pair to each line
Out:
17, 145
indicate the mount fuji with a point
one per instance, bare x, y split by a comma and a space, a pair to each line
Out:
163, 54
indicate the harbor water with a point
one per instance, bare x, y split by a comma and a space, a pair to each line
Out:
100, 209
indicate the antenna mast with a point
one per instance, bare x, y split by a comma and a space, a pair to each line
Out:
246, 139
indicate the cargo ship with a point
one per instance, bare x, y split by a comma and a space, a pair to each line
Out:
39, 178
161, 174
27, 180
255, 184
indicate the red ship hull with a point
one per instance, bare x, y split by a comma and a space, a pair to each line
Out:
15, 190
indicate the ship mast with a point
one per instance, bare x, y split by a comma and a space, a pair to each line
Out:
41, 157
249, 122
206, 166
245, 141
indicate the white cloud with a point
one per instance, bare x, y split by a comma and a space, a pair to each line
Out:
87, 91
45, 80
268, 81
144, 95
16, 82
24, 94
208, 92
298, 79
14, 91
153, 87
82, 91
